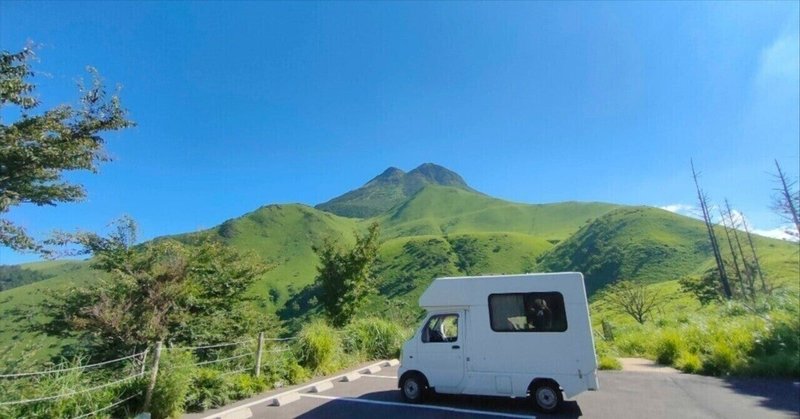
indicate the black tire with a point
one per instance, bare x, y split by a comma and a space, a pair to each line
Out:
413, 388
547, 397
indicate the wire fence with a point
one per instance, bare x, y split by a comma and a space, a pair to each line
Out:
62, 370
227, 357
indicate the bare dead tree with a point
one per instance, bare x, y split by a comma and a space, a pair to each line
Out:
756, 263
735, 257
723, 276
735, 227
633, 298
787, 200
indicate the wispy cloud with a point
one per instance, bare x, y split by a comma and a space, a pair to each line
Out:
781, 233
683, 209
739, 220
780, 60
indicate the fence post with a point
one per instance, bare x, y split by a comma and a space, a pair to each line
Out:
148, 397
259, 352
144, 361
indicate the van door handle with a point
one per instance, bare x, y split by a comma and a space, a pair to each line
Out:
456, 347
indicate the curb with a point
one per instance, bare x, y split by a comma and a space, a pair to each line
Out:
281, 399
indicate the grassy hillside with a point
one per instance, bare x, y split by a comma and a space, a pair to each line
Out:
650, 244
19, 308
437, 231
439, 210
283, 237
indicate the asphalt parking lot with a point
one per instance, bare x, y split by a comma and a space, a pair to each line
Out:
623, 395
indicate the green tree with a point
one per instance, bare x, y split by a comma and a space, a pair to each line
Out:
35, 150
705, 287
345, 277
162, 290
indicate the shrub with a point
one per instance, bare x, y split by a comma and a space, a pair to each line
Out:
175, 372
777, 365
720, 360
282, 369
631, 343
607, 362
689, 362
240, 386
373, 338
319, 348
207, 390
668, 347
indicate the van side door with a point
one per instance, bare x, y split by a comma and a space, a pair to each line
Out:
441, 350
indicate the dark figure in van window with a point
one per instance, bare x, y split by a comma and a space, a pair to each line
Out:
541, 315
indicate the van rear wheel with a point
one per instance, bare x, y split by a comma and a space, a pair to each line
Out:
547, 397
412, 388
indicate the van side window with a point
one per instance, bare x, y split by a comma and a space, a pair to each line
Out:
528, 312
441, 328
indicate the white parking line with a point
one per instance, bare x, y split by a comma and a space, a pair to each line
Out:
419, 406
296, 390
379, 376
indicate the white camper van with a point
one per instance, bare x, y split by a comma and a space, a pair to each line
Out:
507, 335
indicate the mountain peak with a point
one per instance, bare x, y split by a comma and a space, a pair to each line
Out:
438, 175
392, 174
391, 188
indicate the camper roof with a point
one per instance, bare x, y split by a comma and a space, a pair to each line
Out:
474, 290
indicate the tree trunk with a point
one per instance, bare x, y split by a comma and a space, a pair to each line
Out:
723, 276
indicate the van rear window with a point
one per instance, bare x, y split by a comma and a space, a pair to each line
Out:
527, 312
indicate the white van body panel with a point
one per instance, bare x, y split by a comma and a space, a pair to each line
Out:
483, 361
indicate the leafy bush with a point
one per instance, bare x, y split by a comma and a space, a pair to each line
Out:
607, 362
668, 347
689, 362
319, 348
175, 373
282, 368
632, 342
720, 360
373, 338
240, 386
207, 390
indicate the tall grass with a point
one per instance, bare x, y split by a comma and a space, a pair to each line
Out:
373, 338
726, 339
76, 387
174, 381
319, 348
182, 385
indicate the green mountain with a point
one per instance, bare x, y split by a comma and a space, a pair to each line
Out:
432, 224
391, 188
652, 245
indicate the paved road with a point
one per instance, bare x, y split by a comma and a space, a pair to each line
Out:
622, 395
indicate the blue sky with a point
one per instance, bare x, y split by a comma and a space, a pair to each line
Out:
240, 105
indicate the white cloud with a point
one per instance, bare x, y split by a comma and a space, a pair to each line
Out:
739, 219
683, 209
780, 60
781, 233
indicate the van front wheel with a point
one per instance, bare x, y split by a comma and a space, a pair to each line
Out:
547, 397
412, 388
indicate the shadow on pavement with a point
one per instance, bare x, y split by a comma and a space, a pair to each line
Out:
502, 405
776, 394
